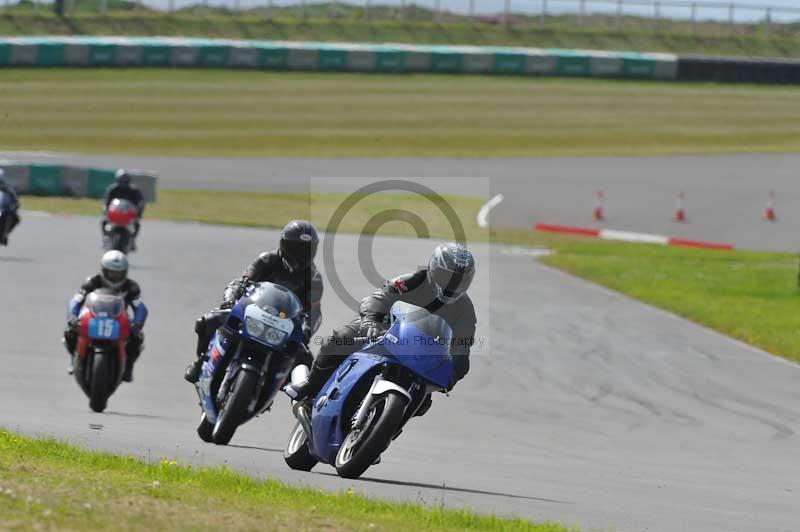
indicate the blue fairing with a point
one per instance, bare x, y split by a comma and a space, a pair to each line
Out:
216, 351
326, 426
417, 341
280, 307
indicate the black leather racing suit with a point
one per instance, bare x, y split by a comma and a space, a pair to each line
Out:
132, 293
305, 284
413, 288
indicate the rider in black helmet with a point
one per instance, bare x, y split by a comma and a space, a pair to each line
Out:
440, 288
291, 265
123, 188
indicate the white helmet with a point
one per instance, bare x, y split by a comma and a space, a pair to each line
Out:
114, 268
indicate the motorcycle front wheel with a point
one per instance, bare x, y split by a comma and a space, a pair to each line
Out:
102, 381
235, 408
205, 429
361, 448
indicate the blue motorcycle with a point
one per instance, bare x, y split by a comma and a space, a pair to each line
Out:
245, 368
370, 397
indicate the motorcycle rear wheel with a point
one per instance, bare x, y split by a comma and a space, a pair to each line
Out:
118, 239
235, 407
360, 449
296, 454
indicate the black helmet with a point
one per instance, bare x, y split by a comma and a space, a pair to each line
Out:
299, 242
122, 177
450, 271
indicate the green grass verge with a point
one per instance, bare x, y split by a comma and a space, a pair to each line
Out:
213, 112
47, 484
751, 296
559, 32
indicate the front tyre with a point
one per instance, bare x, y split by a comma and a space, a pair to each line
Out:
361, 448
102, 382
296, 453
235, 408
205, 429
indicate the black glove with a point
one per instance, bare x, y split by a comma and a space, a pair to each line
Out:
451, 384
72, 323
233, 292
136, 329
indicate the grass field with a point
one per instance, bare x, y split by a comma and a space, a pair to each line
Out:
751, 296
48, 485
559, 32
200, 112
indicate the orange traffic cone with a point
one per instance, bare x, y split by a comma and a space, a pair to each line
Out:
597, 212
680, 210
769, 210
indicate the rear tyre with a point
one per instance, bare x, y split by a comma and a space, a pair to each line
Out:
361, 448
205, 429
235, 407
296, 453
119, 239
102, 382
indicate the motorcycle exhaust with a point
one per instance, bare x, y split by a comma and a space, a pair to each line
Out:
300, 412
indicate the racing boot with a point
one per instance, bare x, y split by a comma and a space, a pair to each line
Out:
194, 370
133, 350
309, 388
127, 375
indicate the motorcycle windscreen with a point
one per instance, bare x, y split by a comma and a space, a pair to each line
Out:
5, 202
276, 299
104, 304
104, 323
421, 341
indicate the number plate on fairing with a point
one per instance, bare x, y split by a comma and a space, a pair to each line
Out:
103, 329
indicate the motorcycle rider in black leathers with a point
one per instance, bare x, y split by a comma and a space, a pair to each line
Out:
440, 289
14, 218
292, 266
122, 188
114, 276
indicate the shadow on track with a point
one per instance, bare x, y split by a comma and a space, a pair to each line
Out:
128, 414
444, 487
256, 448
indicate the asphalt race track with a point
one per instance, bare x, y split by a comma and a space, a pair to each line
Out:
725, 194
582, 406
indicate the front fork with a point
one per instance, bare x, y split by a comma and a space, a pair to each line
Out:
380, 385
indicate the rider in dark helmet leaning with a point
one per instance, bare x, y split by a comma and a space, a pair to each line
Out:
440, 288
292, 266
123, 188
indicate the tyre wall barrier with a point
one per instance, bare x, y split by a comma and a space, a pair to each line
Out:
317, 56
60, 180
723, 69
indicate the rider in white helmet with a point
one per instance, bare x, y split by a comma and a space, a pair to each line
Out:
113, 276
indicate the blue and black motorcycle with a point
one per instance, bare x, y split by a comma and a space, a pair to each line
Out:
246, 368
370, 397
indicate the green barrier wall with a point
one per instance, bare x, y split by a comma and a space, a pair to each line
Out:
340, 57
75, 181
